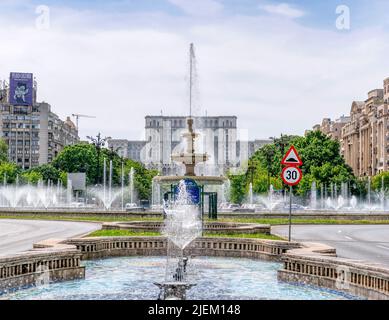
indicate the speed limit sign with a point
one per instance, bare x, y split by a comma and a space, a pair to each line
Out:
291, 175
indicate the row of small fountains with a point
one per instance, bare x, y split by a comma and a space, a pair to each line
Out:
41, 196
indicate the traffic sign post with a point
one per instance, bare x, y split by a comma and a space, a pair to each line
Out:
291, 175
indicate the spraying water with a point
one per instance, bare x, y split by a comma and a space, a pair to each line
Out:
182, 225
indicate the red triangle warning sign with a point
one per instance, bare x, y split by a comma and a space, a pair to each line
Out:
292, 158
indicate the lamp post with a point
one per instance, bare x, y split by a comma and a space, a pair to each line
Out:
269, 159
98, 142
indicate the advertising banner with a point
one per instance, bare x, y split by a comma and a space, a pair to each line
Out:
193, 191
21, 89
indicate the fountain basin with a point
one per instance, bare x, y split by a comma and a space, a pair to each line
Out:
218, 279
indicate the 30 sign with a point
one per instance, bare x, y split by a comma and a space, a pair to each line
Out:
291, 175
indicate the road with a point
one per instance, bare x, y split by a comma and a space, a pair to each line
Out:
361, 242
20, 235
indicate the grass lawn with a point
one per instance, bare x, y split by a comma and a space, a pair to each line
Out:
107, 218
77, 217
129, 233
244, 235
277, 221
122, 233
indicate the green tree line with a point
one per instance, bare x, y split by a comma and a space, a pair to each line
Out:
322, 163
81, 157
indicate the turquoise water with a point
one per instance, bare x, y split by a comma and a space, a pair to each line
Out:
131, 278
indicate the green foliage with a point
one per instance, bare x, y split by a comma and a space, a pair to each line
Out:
80, 157
3, 151
322, 163
376, 182
46, 172
238, 188
63, 177
10, 171
31, 176
84, 157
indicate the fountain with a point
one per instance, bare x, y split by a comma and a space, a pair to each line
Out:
251, 202
182, 225
313, 196
188, 157
183, 216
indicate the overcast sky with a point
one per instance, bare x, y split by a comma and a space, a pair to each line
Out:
279, 66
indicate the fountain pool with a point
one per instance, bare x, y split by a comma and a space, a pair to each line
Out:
131, 278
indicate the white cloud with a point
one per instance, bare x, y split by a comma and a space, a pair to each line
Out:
275, 75
283, 9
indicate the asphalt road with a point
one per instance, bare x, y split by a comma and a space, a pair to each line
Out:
20, 235
361, 242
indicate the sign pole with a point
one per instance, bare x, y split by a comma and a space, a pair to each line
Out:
290, 213
291, 175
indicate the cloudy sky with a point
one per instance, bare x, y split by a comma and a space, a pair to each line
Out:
280, 66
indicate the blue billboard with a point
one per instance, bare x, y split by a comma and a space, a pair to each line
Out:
192, 189
21, 89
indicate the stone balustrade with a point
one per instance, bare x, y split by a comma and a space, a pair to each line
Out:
98, 247
39, 265
209, 227
314, 265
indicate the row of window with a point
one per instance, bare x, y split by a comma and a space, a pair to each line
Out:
208, 123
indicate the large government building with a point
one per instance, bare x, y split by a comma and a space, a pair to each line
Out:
34, 134
364, 135
218, 136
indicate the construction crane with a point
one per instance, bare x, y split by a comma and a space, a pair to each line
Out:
76, 115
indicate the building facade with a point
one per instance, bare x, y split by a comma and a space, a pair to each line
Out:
33, 133
130, 149
364, 137
333, 129
217, 136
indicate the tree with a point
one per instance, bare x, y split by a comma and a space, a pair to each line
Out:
3, 151
238, 188
83, 158
379, 179
47, 172
322, 163
31, 176
80, 157
9, 171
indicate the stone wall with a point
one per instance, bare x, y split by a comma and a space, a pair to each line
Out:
99, 247
316, 264
209, 227
40, 266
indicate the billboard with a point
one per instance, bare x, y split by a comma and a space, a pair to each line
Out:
192, 189
78, 180
21, 89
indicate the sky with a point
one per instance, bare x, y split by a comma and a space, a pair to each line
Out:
279, 66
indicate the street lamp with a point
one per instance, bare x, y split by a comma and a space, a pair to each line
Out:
280, 142
98, 142
251, 169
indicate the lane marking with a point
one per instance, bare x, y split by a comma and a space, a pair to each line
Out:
383, 247
348, 238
